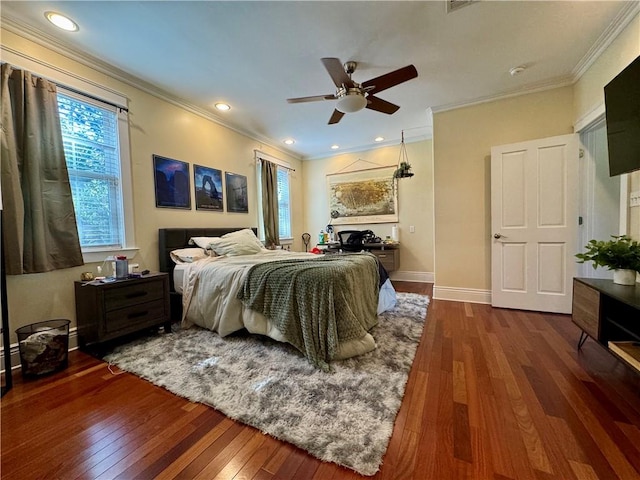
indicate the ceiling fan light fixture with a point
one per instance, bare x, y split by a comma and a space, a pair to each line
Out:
352, 101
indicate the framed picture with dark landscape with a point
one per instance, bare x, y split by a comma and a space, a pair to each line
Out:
236, 189
208, 186
172, 183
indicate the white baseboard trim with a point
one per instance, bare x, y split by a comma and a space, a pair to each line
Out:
15, 351
456, 294
421, 277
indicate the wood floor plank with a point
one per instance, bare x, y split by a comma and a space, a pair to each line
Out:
493, 394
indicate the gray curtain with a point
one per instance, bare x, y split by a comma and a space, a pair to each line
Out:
39, 222
269, 179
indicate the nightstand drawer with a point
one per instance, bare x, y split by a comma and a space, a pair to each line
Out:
126, 294
388, 258
134, 317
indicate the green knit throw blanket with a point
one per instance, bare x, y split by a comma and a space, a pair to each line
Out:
318, 303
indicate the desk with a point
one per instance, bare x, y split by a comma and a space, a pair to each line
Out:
610, 314
388, 253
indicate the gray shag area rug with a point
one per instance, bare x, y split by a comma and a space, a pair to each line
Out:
345, 416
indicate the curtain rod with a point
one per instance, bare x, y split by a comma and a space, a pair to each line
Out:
79, 92
92, 97
263, 156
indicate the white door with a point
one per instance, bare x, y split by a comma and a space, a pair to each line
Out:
534, 197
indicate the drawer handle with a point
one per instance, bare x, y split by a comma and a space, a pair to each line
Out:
137, 314
141, 293
382, 256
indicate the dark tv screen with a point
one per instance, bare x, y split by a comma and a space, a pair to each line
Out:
622, 106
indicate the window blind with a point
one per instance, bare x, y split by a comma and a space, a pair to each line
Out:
90, 138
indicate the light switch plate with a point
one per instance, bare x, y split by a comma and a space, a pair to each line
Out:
634, 199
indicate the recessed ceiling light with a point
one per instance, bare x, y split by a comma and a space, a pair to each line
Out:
517, 70
378, 139
60, 21
289, 141
223, 106
335, 147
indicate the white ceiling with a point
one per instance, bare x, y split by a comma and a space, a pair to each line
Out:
255, 55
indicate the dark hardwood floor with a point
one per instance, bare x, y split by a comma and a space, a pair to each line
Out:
493, 394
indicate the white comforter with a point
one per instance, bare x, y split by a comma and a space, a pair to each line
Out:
209, 299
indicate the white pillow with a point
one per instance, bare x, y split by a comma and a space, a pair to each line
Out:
202, 242
187, 255
242, 242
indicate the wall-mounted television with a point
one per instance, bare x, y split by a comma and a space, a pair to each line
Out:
622, 110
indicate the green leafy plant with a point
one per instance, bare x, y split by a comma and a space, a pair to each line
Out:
403, 171
620, 253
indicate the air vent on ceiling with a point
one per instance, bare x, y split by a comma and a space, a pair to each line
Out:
453, 5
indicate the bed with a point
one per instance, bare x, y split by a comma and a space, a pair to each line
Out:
290, 297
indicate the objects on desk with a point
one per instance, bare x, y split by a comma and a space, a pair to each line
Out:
395, 233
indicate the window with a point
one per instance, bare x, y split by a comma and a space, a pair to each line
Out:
92, 137
284, 207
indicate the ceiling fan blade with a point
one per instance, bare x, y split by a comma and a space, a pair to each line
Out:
315, 98
336, 117
379, 105
391, 79
337, 73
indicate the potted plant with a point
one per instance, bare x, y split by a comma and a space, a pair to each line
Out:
620, 254
403, 171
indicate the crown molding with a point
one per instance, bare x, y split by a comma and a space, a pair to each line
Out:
47, 41
539, 87
367, 148
619, 23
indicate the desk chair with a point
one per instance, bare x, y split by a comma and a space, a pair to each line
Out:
343, 236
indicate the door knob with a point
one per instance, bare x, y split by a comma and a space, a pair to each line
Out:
497, 236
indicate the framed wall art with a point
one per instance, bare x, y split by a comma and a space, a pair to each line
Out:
172, 183
363, 196
207, 183
236, 191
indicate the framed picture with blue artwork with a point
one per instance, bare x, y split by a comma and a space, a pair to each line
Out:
236, 190
172, 181
207, 183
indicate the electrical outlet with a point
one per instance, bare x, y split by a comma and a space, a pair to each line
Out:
634, 199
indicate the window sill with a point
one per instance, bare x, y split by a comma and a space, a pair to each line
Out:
94, 256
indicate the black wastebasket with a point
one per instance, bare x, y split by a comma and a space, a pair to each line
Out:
44, 347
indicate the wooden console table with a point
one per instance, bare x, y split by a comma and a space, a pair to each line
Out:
610, 314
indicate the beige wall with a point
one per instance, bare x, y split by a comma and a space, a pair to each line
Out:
415, 201
156, 126
462, 148
589, 93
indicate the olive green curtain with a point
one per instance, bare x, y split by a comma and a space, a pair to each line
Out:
269, 183
39, 222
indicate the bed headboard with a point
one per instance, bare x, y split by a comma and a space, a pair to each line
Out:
172, 238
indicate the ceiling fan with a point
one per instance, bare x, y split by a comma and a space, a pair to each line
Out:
353, 96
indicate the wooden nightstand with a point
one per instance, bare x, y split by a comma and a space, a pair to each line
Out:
107, 311
388, 257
